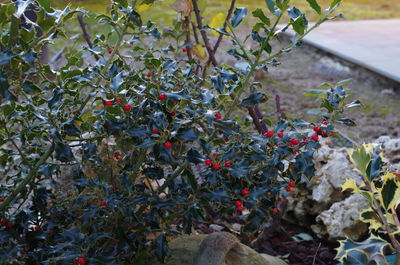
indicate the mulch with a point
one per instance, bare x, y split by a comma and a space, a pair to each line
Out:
312, 252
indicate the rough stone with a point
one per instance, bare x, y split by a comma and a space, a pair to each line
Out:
312, 205
341, 218
219, 248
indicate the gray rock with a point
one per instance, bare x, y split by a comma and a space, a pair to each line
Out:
219, 248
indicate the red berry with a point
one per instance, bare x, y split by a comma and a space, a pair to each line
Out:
316, 128
280, 134
173, 113
275, 211
184, 50
162, 97
155, 131
117, 155
1, 199
239, 208
292, 184
103, 203
315, 137
269, 134
49, 231
323, 133
148, 74
228, 164
3, 222
120, 100
38, 177
245, 192
110, 51
331, 134
216, 166
81, 260
288, 189
108, 103
324, 123
36, 228
294, 141
215, 154
238, 203
167, 145
74, 112
178, 84
208, 162
127, 107
9, 225
218, 116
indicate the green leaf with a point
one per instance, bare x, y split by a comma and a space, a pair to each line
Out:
46, 5
344, 82
355, 103
314, 5
374, 167
238, 15
347, 122
388, 191
260, 14
370, 247
254, 99
187, 134
162, 249
334, 4
63, 153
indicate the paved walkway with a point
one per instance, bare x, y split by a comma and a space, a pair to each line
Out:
373, 44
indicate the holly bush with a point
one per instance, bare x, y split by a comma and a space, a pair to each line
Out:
124, 143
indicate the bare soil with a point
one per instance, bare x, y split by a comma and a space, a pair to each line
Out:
306, 68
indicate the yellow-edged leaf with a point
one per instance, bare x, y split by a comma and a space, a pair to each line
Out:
351, 184
389, 193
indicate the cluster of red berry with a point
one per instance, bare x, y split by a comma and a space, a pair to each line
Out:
110, 103
214, 163
6, 224
239, 204
322, 130
290, 185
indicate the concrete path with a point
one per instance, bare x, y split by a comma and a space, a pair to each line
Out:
373, 44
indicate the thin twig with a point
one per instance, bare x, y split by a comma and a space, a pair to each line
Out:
281, 114
85, 34
203, 33
316, 252
186, 25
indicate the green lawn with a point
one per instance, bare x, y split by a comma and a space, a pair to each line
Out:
162, 12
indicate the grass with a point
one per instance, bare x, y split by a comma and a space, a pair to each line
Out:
161, 12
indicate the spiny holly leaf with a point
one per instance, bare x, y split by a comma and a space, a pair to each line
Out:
258, 13
238, 15
254, 99
374, 167
371, 247
389, 194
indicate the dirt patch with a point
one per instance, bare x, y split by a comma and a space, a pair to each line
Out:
306, 68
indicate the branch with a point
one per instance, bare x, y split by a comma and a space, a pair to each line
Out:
27, 179
281, 114
187, 41
85, 34
203, 33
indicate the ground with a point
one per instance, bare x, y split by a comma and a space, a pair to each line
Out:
306, 68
